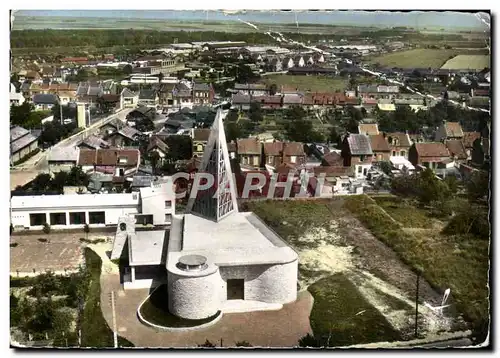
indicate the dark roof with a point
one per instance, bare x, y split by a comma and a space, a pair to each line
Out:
456, 148
45, 99
128, 93
241, 99
156, 142
333, 159
112, 98
359, 144
201, 134
95, 142
379, 143
17, 132
147, 94
201, 87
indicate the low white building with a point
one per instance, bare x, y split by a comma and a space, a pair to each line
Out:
216, 258
152, 205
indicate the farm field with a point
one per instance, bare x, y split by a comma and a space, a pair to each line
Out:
420, 58
307, 83
476, 62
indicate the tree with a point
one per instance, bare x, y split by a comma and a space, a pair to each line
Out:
273, 89
431, 188
46, 228
180, 147
77, 177
127, 69
15, 311
86, 230
301, 131
309, 341
154, 158
41, 182
334, 136
19, 115
452, 183
232, 116
295, 113
233, 131
478, 185
207, 344
255, 113
161, 76
42, 317
59, 181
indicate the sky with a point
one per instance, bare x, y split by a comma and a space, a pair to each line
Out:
416, 19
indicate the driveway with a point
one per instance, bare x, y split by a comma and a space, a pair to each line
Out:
281, 328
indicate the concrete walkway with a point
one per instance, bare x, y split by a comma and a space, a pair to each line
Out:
281, 328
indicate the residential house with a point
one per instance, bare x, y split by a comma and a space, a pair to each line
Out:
268, 102
369, 103
368, 128
357, 153
380, 91
252, 89
273, 153
332, 159
141, 113
89, 92
299, 61
112, 101
93, 142
399, 144
481, 147
249, 152
291, 100
429, 154
336, 177
123, 137
274, 65
118, 162
293, 153
149, 98
165, 94
16, 99
128, 99
380, 147
232, 150
449, 130
157, 145
468, 140
62, 158
182, 96
44, 101
109, 87
22, 143
66, 97
457, 150
241, 101
203, 94
200, 139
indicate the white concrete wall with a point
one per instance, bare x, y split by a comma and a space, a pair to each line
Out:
194, 297
202, 297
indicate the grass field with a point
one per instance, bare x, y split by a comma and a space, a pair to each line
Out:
420, 58
476, 62
307, 83
459, 262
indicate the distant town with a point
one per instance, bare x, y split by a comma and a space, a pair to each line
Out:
340, 184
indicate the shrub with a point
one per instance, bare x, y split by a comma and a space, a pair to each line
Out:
243, 344
207, 344
14, 244
46, 228
309, 341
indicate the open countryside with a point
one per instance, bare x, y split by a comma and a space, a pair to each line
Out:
421, 58
476, 62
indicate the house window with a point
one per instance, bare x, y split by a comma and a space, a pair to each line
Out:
255, 160
426, 164
199, 148
38, 219
270, 159
360, 169
245, 160
403, 153
393, 153
361, 158
168, 218
168, 204
293, 159
97, 217
77, 218
57, 218
365, 171
122, 160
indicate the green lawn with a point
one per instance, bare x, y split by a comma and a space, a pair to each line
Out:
418, 58
459, 262
155, 310
95, 330
406, 214
307, 83
339, 308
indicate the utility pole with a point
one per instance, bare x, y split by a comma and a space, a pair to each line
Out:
115, 335
416, 303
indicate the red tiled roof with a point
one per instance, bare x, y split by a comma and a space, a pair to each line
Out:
274, 148
249, 146
432, 149
108, 157
156, 142
469, 138
403, 139
333, 159
293, 148
379, 143
453, 129
456, 148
